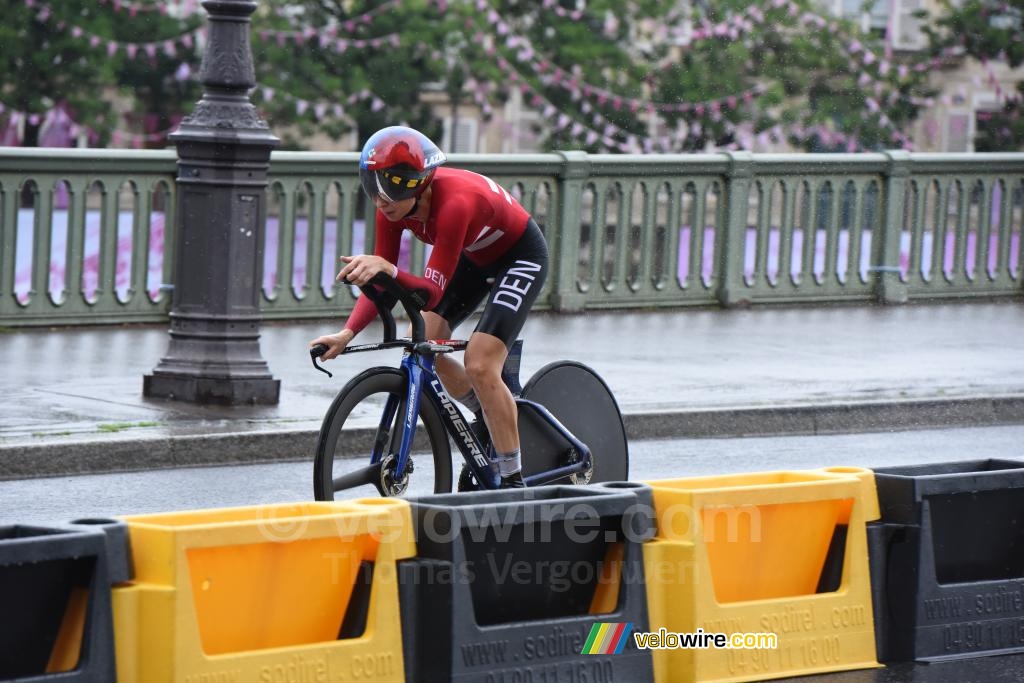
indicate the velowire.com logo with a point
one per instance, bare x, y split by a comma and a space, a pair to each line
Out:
607, 638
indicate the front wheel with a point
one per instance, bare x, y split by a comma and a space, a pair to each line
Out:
368, 414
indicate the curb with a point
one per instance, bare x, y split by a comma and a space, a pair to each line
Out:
273, 446
831, 418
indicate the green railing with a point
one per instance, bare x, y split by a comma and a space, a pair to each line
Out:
86, 235
62, 216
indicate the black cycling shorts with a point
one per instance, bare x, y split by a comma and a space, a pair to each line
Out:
511, 284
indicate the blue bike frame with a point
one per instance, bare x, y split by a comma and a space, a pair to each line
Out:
423, 381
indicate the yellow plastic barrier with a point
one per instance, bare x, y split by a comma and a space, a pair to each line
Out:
753, 553
275, 593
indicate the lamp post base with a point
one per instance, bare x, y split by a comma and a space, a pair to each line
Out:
212, 391
213, 359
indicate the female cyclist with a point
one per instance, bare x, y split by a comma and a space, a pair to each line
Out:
485, 246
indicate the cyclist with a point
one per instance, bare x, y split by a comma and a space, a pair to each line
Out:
485, 245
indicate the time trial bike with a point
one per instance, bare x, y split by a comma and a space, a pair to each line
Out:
570, 426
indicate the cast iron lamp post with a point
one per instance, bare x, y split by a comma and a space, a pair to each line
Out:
223, 156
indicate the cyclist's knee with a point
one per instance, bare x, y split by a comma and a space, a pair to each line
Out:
485, 357
481, 368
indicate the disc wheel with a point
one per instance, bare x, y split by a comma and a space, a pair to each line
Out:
354, 424
582, 402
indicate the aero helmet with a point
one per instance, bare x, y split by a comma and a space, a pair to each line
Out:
398, 163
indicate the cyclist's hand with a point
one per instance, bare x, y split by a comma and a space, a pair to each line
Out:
359, 269
335, 343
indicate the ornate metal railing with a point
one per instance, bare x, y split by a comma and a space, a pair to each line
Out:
86, 236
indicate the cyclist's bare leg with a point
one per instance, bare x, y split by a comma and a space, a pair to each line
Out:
453, 375
485, 357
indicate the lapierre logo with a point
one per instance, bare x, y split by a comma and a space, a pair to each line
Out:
460, 424
410, 416
516, 283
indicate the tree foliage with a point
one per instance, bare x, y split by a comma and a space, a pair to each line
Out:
987, 30
601, 75
58, 54
641, 75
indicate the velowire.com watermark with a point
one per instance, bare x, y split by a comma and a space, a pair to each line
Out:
703, 640
611, 639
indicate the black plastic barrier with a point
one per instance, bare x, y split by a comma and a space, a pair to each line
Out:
55, 595
947, 560
508, 585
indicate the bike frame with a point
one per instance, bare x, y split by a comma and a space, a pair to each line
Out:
419, 369
418, 365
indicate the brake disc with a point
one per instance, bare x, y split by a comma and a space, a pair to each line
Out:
580, 478
389, 486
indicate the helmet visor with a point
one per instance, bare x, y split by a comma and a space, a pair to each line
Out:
394, 184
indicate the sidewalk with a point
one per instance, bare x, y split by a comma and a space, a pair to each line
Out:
73, 397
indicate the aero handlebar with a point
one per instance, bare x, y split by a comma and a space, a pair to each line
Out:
384, 291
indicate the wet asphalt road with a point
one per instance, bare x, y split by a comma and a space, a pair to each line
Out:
61, 499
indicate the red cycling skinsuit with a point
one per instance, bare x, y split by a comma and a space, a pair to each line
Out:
483, 242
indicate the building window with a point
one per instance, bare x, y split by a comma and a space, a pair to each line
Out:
992, 127
906, 29
465, 139
892, 19
958, 132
